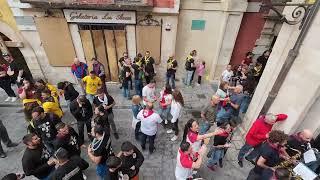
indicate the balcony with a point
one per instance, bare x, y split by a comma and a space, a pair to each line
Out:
95, 4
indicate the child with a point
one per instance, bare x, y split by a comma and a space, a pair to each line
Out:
165, 103
136, 108
219, 146
227, 74
200, 70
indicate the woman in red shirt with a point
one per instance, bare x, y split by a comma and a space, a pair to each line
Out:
191, 134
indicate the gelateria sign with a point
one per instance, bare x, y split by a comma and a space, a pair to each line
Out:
101, 17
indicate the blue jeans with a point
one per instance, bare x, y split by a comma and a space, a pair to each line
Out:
164, 113
138, 85
245, 104
245, 149
204, 127
101, 171
90, 97
188, 78
126, 92
215, 156
170, 78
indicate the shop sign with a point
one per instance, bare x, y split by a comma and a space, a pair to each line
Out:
90, 16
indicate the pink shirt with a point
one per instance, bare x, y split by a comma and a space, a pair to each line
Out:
200, 69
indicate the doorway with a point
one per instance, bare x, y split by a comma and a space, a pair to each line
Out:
148, 35
105, 42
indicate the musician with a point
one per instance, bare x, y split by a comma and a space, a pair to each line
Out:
15, 69
270, 156
299, 141
149, 67
171, 71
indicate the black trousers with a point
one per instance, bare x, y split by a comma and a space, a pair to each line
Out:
175, 128
81, 125
4, 137
151, 142
6, 86
136, 131
199, 79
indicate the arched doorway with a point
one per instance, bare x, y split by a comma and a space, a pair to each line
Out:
25, 52
16, 54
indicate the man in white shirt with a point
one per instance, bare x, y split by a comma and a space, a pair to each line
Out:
148, 93
149, 126
227, 74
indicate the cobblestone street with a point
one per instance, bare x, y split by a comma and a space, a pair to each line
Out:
158, 166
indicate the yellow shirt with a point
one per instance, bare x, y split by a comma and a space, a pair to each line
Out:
54, 90
53, 107
92, 85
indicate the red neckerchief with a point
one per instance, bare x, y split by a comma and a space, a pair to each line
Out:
275, 147
147, 112
224, 134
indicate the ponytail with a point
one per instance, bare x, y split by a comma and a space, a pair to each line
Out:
186, 129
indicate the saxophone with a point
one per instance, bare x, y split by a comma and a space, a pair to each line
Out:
290, 164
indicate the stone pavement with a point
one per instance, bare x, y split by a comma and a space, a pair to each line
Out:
158, 166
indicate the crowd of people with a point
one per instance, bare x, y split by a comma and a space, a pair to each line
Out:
54, 148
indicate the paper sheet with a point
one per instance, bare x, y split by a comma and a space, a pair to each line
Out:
304, 172
309, 156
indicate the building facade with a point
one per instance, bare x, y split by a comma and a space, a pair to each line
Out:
298, 95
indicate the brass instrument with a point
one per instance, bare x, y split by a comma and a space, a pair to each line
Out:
290, 164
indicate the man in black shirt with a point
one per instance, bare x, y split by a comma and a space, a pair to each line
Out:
171, 71
269, 156
35, 160
127, 78
138, 66
99, 150
114, 168
263, 59
15, 70
68, 167
69, 92
44, 126
149, 67
190, 67
67, 138
120, 65
101, 118
131, 159
81, 110
107, 102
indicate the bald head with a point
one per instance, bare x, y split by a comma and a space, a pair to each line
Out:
270, 118
76, 61
306, 135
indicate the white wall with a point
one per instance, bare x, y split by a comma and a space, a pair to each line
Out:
301, 86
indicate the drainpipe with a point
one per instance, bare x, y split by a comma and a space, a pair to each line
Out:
292, 55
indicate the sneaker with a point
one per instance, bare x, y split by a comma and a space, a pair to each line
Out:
174, 138
165, 121
13, 99
169, 131
3, 155
250, 160
151, 152
211, 168
197, 84
240, 163
12, 144
8, 99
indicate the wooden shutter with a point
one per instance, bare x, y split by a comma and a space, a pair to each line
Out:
56, 40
